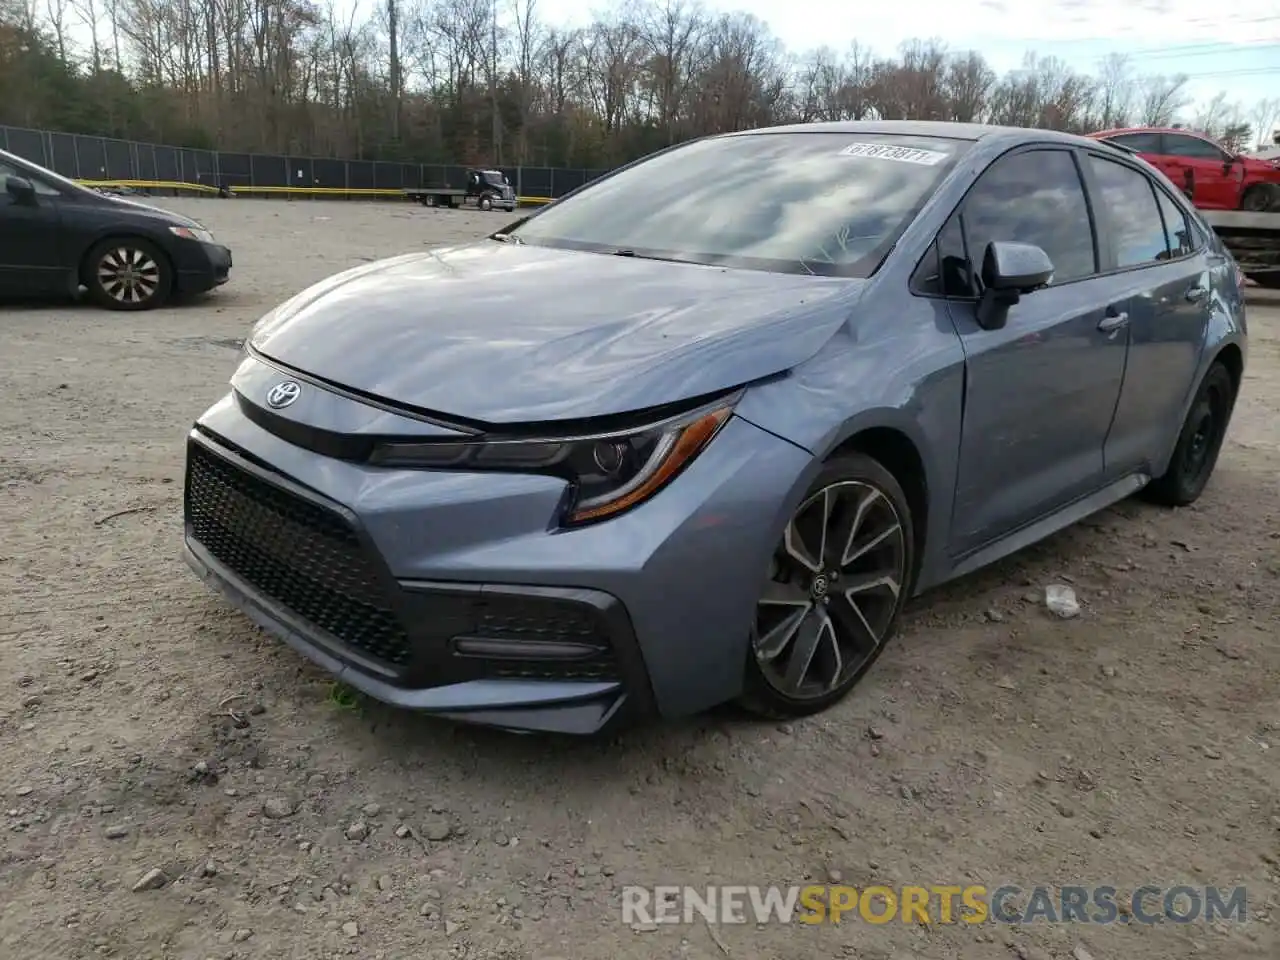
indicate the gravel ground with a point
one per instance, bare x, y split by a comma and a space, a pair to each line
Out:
1135, 744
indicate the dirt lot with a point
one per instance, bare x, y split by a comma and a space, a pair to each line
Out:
1136, 744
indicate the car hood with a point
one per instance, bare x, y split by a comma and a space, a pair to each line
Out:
510, 333
145, 209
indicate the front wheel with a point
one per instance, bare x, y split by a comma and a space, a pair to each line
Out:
486, 202
837, 583
127, 274
1199, 442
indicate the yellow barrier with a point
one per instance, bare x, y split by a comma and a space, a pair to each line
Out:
287, 191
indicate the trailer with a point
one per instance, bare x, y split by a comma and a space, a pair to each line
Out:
1254, 241
1253, 238
487, 189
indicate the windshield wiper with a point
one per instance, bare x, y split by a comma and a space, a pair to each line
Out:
505, 234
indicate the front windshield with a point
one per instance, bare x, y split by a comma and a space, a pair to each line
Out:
824, 203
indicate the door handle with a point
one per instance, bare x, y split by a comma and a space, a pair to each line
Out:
1197, 293
1112, 323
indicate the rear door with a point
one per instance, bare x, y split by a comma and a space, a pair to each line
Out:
1041, 391
31, 242
1158, 263
1214, 179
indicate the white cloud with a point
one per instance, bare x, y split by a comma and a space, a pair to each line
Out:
1146, 23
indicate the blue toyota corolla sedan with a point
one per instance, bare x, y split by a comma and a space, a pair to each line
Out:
696, 432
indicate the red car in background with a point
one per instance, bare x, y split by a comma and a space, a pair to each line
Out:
1213, 177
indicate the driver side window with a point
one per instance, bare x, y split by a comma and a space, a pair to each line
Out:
40, 186
1033, 197
6, 172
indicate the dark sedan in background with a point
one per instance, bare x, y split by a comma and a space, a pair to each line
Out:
57, 236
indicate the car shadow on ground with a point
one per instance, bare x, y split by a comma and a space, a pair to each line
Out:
82, 302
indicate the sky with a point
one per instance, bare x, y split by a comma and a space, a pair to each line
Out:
1238, 52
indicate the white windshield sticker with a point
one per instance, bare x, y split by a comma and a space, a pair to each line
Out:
882, 151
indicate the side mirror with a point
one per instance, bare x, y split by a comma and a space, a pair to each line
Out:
1009, 270
21, 190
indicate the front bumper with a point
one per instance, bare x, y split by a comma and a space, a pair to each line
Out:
203, 267
580, 707
456, 594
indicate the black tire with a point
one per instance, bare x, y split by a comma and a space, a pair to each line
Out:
486, 203
127, 273
1199, 442
860, 480
1257, 199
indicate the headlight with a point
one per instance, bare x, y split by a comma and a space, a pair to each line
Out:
192, 233
610, 472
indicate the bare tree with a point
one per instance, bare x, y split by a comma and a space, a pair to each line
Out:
486, 81
1162, 99
91, 16
395, 75
1263, 118
1116, 91
530, 39
969, 83
56, 14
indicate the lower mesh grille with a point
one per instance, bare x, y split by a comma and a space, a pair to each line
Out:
546, 620
302, 556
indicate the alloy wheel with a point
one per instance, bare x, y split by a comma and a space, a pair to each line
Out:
129, 275
833, 590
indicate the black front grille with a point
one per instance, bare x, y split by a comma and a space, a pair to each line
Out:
301, 555
535, 620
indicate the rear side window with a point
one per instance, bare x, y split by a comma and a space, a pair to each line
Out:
1033, 197
1178, 231
1142, 142
1130, 214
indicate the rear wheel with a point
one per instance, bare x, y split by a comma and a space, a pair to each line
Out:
1257, 199
128, 273
1199, 442
837, 583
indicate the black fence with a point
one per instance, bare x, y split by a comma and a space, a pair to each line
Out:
99, 158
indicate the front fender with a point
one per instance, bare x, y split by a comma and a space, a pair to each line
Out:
832, 399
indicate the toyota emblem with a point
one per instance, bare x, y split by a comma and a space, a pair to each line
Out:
282, 394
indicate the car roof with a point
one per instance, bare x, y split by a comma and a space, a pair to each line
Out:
941, 129
1177, 130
